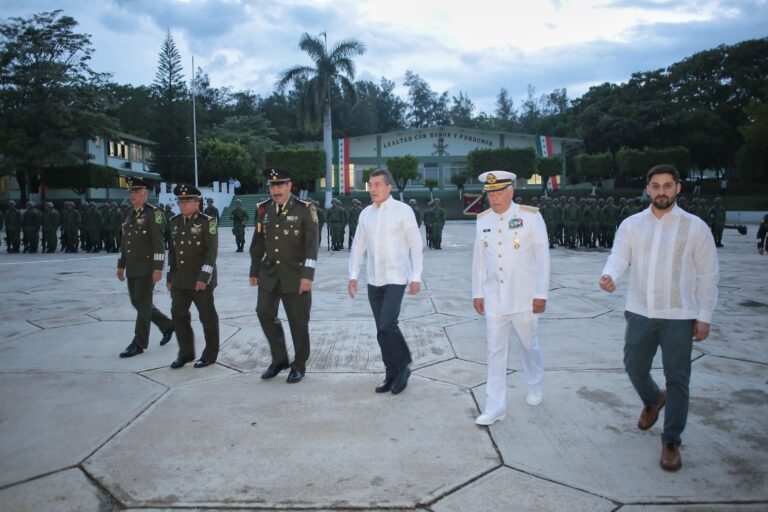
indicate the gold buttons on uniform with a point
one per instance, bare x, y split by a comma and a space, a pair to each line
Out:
277, 250
181, 252
276, 238
182, 262
499, 255
501, 269
129, 250
278, 262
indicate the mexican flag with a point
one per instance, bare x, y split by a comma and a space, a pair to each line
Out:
341, 167
544, 150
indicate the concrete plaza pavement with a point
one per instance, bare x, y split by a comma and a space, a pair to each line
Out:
81, 429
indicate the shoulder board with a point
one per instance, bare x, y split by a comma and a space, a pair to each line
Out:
526, 208
263, 203
176, 216
147, 205
305, 203
483, 213
207, 217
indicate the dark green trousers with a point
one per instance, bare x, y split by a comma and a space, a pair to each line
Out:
140, 291
297, 308
182, 321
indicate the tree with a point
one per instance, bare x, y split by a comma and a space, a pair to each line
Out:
174, 152
307, 165
459, 179
426, 108
530, 114
462, 111
521, 161
49, 96
403, 168
548, 167
430, 184
753, 155
390, 107
253, 132
595, 166
222, 160
635, 163
330, 68
506, 115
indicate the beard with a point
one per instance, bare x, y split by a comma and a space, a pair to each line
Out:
664, 202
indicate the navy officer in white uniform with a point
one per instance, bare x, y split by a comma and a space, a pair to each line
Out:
510, 282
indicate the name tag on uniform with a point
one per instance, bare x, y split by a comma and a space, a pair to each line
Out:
488, 230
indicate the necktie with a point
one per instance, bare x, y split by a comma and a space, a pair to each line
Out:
279, 210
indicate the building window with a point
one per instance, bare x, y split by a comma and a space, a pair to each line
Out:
118, 149
451, 169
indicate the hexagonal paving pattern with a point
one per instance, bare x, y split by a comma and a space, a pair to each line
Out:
338, 346
95, 346
506, 489
66, 491
54, 420
584, 435
350, 446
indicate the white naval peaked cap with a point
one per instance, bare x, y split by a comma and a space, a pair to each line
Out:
496, 180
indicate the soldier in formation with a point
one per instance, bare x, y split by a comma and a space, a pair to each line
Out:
353, 215
31, 221
13, 227
239, 218
70, 224
434, 220
717, 221
416, 211
51, 220
337, 220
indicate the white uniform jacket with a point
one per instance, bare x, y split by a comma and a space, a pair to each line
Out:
510, 261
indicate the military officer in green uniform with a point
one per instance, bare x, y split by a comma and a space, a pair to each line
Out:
192, 277
416, 211
438, 223
116, 221
571, 222
70, 223
239, 219
717, 221
141, 261
92, 224
321, 221
51, 223
211, 210
31, 221
354, 215
283, 258
610, 219
337, 220
12, 227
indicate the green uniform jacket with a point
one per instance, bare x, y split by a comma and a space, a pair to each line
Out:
239, 219
193, 252
284, 249
70, 219
336, 217
32, 219
212, 211
417, 213
12, 220
142, 248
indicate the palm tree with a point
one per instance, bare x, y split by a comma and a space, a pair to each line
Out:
334, 68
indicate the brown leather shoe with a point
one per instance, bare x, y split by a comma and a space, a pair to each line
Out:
670, 457
651, 412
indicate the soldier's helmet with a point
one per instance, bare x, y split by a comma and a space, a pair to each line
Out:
534, 199
437, 200
718, 200
622, 200
30, 204
601, 201
572, 200
113, 205
92, 204
209, 200
50, 204
237, 202
411, 201
12, 203
519, 200
702, 201
609, 200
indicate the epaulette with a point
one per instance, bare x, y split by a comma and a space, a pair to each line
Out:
483, 213
527, 208
206, 217
151, 206
305, 203
177, 215
259, 205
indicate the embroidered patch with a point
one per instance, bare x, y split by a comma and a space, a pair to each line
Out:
313, 213
212, 226
515, 223
196, 230
296, 232
292, 218
159, 217
140, 221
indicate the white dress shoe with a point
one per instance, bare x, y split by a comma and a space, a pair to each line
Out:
490, 418
534, 398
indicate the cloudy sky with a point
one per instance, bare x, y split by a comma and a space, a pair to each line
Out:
474, 46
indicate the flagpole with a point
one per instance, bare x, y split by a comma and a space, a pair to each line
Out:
194, 120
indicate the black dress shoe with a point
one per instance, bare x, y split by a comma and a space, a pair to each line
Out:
295, 376
385, 385
131, 350
400, 382
273, 369
166, 336
181, 361
202, 363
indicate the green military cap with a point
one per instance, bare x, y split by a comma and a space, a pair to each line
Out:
277, 176
136, 183
185, 191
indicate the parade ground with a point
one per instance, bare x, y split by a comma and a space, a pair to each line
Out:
81, 429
